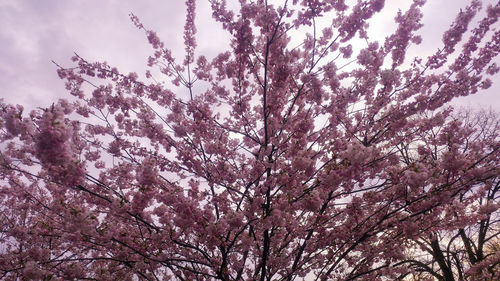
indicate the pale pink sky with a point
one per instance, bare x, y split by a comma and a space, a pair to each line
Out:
34, 32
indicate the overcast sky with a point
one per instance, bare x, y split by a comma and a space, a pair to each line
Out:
34, 32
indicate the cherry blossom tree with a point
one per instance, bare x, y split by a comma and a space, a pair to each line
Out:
270, 161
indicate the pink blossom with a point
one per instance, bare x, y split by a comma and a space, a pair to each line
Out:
274, 159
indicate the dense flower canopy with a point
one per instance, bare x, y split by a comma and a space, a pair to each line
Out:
327, 160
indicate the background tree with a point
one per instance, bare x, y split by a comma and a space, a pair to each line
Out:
459, 242
270, 161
